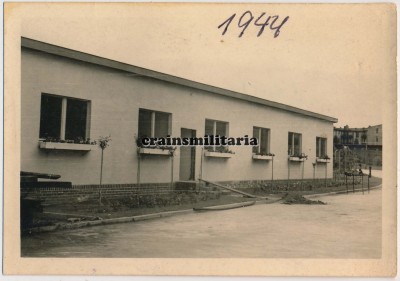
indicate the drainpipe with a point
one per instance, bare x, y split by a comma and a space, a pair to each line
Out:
138, 169
172, 169
313, 164
288, 176
272, 176
201, 163
302, 175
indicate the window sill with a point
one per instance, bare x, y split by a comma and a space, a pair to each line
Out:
217, 154
322, 160
263, 157
296, 159
65, 146
154, 151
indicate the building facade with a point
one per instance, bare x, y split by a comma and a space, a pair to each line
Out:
358, 136
365, 144
374, 135
70, 99
347, 135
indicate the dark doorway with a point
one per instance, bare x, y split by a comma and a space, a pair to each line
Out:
187, 157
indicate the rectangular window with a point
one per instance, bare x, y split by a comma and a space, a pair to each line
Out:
64, 118
154, 124
263, 135
215, 128
294, 144
321, 147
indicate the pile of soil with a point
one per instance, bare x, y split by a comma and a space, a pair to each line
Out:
291, 199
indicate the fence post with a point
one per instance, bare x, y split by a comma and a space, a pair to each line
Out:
201, 163
369, 175
272, 176
172, 170
138, 169
288, 177
362, 182
302, 175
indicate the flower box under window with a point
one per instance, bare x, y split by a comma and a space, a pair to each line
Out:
297, 159
218, 154
323, 160
154, 151
262, 157
65, 146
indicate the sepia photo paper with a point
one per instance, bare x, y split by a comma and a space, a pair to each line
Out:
200, 139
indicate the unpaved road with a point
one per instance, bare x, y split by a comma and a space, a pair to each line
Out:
349, 226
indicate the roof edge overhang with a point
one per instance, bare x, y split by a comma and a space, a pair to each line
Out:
93, 59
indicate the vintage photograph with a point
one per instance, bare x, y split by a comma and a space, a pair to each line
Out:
203, 131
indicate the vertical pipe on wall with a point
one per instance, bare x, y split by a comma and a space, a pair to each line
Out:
101, 166
201, 163
101, 175
138, 170
302, 175
172, 170
288, 176
313, 164
272, 176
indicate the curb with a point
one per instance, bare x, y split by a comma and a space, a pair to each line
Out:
81, 224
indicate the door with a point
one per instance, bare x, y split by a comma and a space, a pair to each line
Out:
187, 157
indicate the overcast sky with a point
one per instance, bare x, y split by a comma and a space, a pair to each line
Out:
333, 60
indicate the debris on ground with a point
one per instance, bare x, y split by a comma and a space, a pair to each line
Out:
290, 199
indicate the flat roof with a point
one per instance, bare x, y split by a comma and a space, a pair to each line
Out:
84, 57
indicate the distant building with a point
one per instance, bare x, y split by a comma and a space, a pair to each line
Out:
365, 143
374, 135
353, 136
347, 135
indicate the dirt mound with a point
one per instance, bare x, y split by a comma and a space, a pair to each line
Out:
298, 199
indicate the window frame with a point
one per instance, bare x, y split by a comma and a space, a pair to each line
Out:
214, 122
64, 117
215, 126
319, 146
292, 145
257, 149
153, 122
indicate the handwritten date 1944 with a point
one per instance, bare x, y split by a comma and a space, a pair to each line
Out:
246, 19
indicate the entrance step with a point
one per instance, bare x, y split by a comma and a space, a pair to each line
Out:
186, 185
